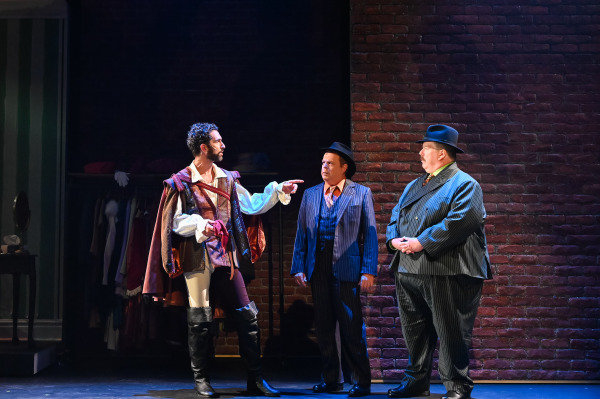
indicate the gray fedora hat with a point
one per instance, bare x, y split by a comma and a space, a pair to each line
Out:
442, 134
345, 152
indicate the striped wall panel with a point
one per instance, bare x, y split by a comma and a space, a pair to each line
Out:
32, 147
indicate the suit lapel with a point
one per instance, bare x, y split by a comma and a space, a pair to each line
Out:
419, 190
345, 198
318, 199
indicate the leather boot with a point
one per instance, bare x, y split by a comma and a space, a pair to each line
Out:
199, 342
249, 338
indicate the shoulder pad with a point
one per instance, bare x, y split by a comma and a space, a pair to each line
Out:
177, 179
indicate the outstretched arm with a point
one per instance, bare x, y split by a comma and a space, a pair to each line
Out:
259, 203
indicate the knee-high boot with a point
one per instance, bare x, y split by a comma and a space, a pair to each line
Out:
249, 338
199, 342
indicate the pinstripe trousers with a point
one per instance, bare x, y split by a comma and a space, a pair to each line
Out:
438, 306
339, 301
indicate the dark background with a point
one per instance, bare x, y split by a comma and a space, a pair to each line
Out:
274, 76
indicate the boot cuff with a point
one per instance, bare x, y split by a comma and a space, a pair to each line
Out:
248, 312
199, 315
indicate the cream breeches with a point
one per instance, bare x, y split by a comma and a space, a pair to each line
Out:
198, 286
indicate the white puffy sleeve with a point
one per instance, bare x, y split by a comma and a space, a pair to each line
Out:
188, 225
258, 203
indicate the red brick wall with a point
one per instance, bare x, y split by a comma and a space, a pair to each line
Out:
519, 80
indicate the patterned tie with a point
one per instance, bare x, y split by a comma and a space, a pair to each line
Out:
329, 197
427, 180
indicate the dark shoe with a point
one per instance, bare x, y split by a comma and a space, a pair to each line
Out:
258, 386
204, 389
327, 387
457, 395
359, 390
409, 389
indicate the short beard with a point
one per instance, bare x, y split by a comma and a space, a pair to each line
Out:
213, 155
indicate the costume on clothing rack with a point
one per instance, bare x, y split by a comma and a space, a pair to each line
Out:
113, 264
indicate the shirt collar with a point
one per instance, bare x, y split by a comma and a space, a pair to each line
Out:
437, 171
196, 175
340, 185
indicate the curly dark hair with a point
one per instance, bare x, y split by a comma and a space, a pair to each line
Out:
199, 134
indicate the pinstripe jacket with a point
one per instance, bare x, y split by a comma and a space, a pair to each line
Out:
447, 216
355, 241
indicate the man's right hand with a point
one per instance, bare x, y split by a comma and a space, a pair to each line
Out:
300, 279
209, 230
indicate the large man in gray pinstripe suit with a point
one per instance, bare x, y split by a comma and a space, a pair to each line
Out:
336, 251
437, 235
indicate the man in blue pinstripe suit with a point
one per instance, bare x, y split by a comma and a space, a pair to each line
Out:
336, 251
440, 261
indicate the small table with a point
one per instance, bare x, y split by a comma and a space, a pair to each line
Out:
17, 265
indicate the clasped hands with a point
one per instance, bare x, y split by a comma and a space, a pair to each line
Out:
408, 245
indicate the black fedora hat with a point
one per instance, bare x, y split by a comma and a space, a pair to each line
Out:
442, 134
345, 152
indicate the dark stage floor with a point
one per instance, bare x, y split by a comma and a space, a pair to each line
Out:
148, 378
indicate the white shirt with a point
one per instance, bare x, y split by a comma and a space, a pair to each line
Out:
250, 204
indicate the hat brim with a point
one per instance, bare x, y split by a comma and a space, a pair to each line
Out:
443, 142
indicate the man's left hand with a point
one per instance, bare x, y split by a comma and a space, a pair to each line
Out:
366, 281
290, 186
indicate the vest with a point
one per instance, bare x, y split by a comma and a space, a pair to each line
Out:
195, 200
